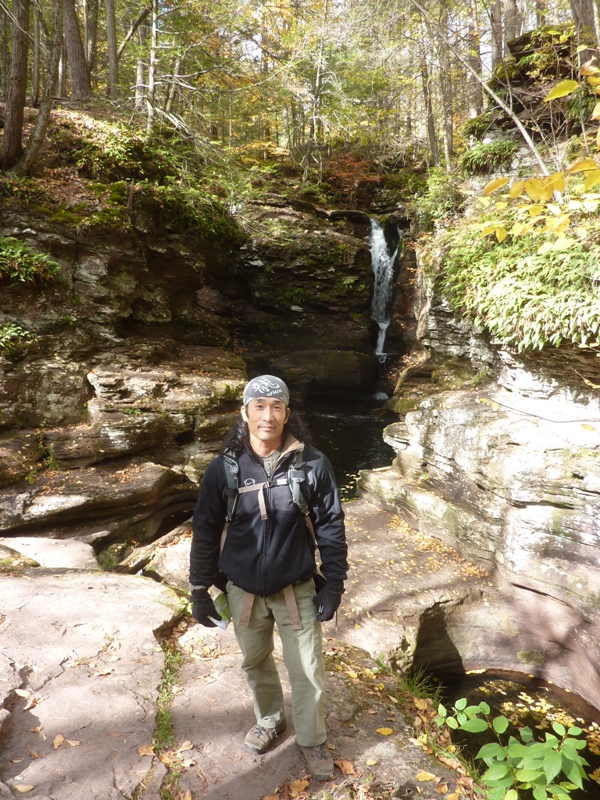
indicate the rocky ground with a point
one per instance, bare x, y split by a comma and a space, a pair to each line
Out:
88, 656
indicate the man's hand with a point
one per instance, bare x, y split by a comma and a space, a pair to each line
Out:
203, 608
328, 600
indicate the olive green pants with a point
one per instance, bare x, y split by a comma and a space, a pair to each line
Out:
302, 655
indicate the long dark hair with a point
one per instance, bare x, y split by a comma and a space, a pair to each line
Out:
238, 438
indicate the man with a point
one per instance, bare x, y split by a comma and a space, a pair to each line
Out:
267, 555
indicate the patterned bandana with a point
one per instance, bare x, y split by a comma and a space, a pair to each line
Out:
266, 386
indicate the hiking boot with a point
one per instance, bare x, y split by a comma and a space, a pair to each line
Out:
259, 739
319, 761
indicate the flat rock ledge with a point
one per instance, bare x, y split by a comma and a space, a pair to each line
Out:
81, 665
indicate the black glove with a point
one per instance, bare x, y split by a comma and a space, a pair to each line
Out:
203, 608
328, 599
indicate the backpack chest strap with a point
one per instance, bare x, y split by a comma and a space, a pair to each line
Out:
260, 488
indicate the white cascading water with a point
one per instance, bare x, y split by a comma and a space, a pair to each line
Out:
382, 262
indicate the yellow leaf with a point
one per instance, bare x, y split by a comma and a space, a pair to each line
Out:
488, 229
592, 179
421, 704
73, 742
351, 673
501, 234
442, 788
146, 750
533, 187
545, 248
426, 776
297, 787
596, 111
594, 82
58, 740
516, 189
370, 762
588, 68
494, 184
581, 232
21, 787
518, 229
561, 89
535, 211
485, 201
598, 139
563, 243
501, 204
346, 767
556, 181
385, 731
581, 166
187, 795
185, 746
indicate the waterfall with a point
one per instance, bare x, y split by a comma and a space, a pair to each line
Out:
382, 262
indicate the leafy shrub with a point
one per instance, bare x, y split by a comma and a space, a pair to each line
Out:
515, 766
524, 298
483, 158
476, 127
19, 263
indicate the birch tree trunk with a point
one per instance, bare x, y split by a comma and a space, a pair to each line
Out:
140, 73
431, 133
151, 90
80, 74
4, 60
17, 85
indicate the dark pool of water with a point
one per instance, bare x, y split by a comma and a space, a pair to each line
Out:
349, 430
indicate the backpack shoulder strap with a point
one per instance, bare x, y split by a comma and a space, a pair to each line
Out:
296, 477
231, 491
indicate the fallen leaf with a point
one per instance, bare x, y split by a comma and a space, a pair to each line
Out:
187, 795
442, 788
16, 760
23, 788
371, 762
271, 797
73, 742
58, 740
22, 692
35, 754
36, 730
346, 767
296, 787
33, 701
426, 776
421, 704
146, 750
185, 746
385, 731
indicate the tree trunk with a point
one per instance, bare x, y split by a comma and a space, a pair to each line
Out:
111, 36
140, 74
35, 66
4, 59
510, 21
36, 139
80, 74
90, 28
431, 134
474, 90
496, 21
446, 91
541, 17
172, 87
17, 85
61, 89
583, 14
132, 30
151, 90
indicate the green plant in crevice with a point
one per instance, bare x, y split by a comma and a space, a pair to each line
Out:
441, 198
485, 157
21, 264
12, 335
547, 770
164, 736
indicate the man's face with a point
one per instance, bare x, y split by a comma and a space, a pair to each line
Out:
266, 417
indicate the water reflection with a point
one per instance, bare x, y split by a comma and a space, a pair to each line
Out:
349, 430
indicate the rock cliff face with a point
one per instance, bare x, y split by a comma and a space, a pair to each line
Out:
134, 358
507, 470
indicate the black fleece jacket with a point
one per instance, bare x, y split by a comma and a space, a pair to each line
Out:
263, 556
